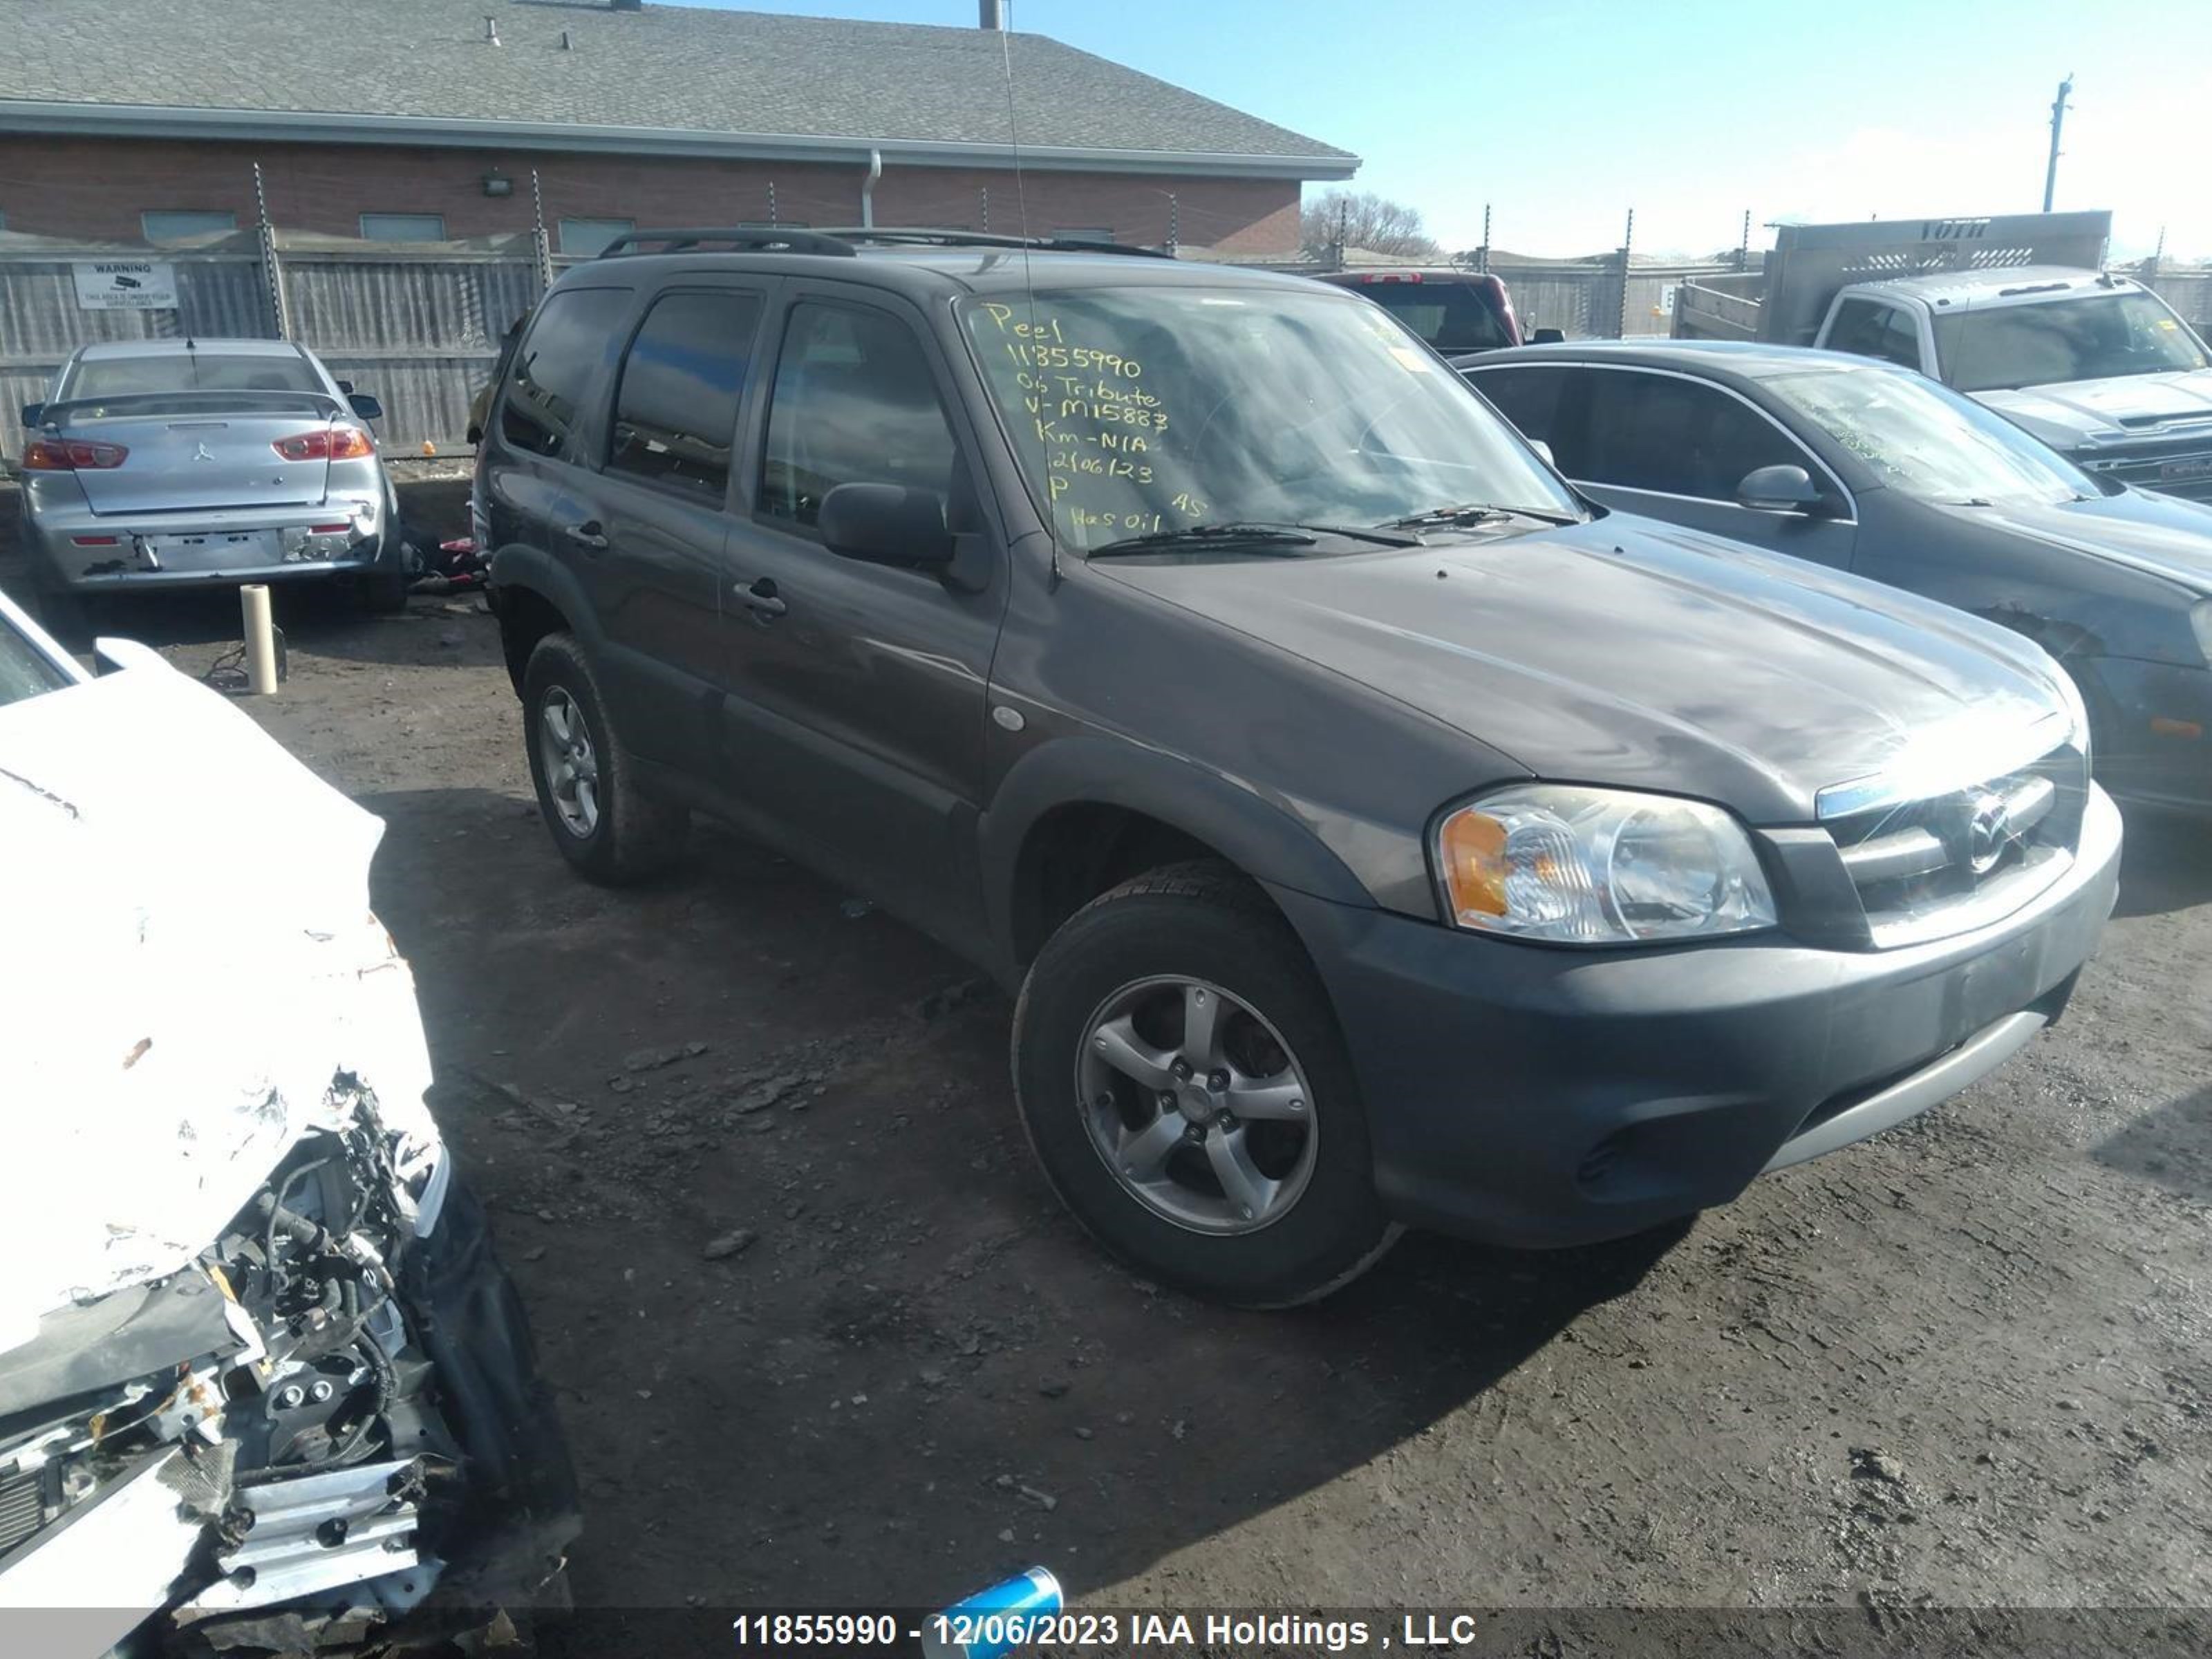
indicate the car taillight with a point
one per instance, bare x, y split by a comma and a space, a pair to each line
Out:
332, 443
71, 455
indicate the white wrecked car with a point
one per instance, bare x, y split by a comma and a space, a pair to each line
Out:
263, 1386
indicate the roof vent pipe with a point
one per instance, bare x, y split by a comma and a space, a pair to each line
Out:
868, 189
566, 45
491, 30
990, 14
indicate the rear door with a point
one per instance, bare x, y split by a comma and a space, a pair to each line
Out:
855, 722
654, 562
1670, 447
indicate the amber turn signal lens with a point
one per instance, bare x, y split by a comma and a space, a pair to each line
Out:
1473, 849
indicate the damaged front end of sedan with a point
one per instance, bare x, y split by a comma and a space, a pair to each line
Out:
265, 1388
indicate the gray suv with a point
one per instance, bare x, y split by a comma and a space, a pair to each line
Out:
1377, 833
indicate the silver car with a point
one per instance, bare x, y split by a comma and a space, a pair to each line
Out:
197, 463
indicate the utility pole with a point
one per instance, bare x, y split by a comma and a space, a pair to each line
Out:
2057, 123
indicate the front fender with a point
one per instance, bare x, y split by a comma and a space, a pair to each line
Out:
1264, 836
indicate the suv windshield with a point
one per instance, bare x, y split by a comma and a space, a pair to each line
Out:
1138, 411
2091, 338
1926, 442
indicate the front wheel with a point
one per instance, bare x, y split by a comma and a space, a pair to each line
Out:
1182, 1080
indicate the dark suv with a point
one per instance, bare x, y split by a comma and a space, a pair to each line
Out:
1377, 833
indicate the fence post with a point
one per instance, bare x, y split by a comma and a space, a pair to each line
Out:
541, 245
1627, 243
273, 272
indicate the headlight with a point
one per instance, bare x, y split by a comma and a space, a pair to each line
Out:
2199, 619
1598, 866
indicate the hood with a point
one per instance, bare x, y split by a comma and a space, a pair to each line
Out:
1627, 652
189, 961
2066, 413
2161, 535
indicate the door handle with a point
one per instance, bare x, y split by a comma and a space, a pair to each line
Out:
590, 535
762, 600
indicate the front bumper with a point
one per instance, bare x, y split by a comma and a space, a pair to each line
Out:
331, 1550
80, 551
1536, 1097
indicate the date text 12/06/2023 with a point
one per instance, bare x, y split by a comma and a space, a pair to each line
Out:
1098, 423
978, 1632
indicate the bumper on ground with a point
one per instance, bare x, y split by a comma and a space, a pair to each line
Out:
1536, 1096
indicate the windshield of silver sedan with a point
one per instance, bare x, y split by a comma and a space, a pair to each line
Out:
1150, 411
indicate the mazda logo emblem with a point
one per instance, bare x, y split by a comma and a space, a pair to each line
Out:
1989, 832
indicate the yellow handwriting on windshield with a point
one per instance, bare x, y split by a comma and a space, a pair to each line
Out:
1099, 426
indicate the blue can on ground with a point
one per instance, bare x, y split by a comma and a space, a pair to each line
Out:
993, 1622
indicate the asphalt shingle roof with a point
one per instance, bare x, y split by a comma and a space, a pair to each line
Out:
669, 68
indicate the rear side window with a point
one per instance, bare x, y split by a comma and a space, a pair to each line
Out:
1660, 432
853, 403
676, 404
552, 370
1529, 398
1450, 316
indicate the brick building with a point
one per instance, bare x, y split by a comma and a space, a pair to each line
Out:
142, 120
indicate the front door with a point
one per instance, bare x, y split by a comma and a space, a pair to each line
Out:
1672, 448
854, 722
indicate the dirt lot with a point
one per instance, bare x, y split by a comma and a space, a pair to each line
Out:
1964, 1365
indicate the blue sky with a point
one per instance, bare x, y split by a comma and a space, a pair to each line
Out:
1563, 114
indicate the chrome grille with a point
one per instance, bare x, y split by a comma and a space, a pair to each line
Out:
22, 1507
1928, 865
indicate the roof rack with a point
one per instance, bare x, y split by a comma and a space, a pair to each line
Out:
768, 239
841, 240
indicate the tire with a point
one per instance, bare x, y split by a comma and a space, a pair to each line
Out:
66, 615
382, 592
1149, 947
625, 836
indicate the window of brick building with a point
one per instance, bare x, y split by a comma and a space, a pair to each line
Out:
176, 224
403, 227
590, 236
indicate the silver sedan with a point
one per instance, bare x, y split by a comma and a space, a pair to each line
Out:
199, 463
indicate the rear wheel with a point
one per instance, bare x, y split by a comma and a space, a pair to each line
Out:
381, 591
1182, 1080
65, 615
586, 790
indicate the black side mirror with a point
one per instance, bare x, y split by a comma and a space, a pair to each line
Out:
365, 405
32, 413
1778, 489
1547, 336
886, 523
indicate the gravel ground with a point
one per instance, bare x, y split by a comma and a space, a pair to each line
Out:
821, 1334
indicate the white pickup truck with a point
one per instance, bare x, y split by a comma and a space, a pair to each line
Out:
2016, 311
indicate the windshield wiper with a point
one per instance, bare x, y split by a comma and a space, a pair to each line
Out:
1255, 533
1475, 512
